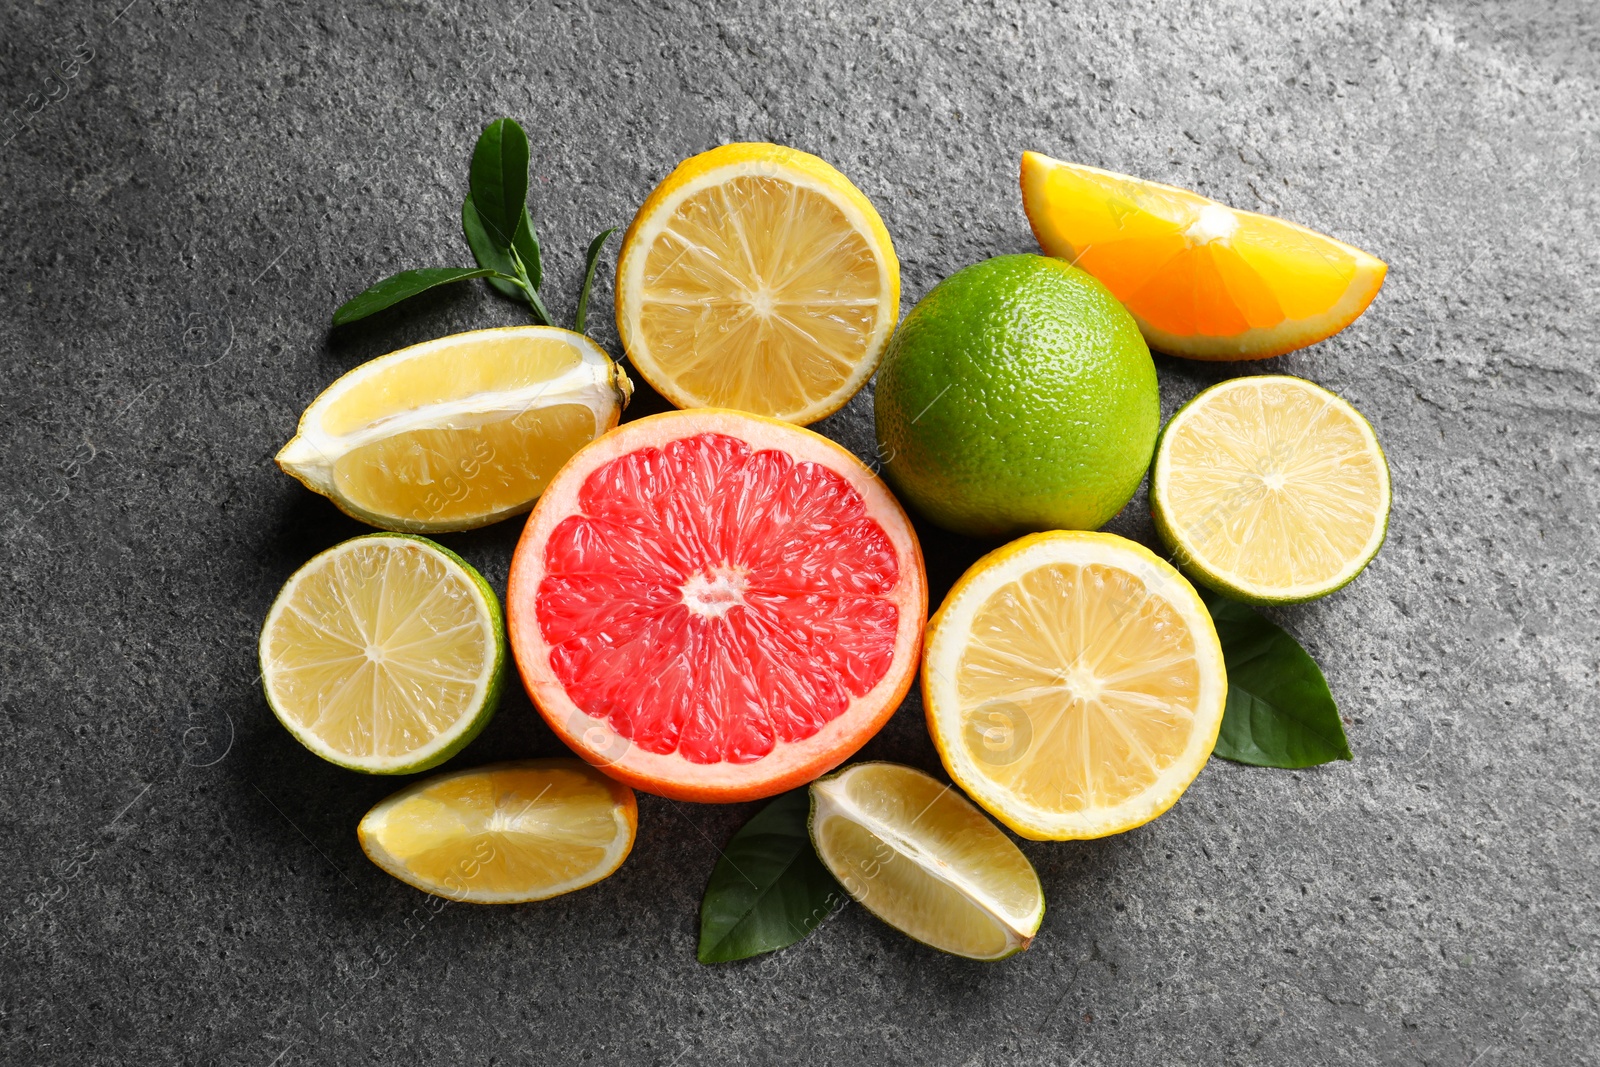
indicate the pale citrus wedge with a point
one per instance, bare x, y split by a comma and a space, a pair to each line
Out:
1270, 489
506, 833
384, 654
919, 856
758, 278
1203, 280
459, 432
1074, 684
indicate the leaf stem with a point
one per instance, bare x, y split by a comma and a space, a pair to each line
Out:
593, 258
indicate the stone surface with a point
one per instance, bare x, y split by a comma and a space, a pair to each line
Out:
183, 211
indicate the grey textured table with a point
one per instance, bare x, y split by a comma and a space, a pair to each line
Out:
181, 880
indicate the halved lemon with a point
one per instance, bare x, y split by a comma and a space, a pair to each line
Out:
919, 856
506, 833
1074, 684
758, 278
384, 654
1203, 280
458, 432
1270, 489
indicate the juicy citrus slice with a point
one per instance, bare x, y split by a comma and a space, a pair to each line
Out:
506, 833
919, 856
384, 654
1203, 280
715, 606
1270, 489
757, 277
1074, 684
458, 432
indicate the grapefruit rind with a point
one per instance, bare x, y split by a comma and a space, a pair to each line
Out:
789, 764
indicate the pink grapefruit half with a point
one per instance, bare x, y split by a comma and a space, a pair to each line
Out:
716, 606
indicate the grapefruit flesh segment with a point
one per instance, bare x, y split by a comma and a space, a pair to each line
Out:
716, 606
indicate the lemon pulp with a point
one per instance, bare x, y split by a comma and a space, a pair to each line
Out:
458, 432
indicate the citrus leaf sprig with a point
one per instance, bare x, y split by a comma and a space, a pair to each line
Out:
499, 231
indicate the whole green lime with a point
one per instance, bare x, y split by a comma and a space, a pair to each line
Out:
1017, 396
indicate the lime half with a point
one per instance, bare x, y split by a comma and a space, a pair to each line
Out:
1270, 490
919, 856
384, 654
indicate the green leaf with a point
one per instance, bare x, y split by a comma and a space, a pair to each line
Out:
1279, 711
768, 890
591, 258
487, 253
499, 179
402, 286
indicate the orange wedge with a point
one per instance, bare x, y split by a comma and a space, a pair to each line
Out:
1203, 281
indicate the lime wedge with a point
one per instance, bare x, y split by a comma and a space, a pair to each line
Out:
919, 856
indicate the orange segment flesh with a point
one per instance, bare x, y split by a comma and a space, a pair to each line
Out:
1203, 280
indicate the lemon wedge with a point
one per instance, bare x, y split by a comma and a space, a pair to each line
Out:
1074, 684
458, 432
758, 278
919, 856
506, 833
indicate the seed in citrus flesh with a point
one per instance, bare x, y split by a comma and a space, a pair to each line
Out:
715, 606
920, 857
757, 277
1270, 490
1203, 280
1074, 684
504, 834
458, 432
384, 654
